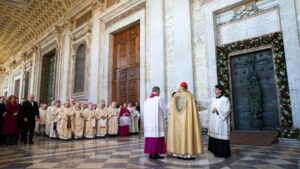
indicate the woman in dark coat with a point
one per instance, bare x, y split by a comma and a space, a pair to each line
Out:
10, 125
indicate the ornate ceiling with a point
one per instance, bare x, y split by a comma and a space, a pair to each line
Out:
22, 21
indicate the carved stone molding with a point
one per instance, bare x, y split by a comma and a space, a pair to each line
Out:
246, 10
28, 66
79, 36
24, 56
2, 70
84, 30
69, 24
125, 14
110, 3
99, 5
12, 64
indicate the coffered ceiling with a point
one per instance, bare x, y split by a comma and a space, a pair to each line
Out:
22, 21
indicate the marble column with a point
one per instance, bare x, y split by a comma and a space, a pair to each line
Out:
292, 50
94, 60
155, 47
298, 14
65, 65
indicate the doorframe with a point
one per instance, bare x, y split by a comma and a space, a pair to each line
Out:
105, 86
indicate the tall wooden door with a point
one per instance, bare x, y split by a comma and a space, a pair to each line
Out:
48, 79
126, 65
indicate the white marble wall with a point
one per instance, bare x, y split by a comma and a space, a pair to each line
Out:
297, 3
259, 25
155, 51
290, 32
200, 59
181, 44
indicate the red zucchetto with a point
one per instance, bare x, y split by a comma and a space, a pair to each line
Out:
184, 84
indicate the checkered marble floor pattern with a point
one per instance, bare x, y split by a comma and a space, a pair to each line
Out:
118, 152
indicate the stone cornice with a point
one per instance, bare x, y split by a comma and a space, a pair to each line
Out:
116, 10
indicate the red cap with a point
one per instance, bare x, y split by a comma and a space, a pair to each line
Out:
183, 84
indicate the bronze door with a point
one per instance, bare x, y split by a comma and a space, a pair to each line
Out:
17, 88
255, 99
47, 93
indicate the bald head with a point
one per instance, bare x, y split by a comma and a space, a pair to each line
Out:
31, 97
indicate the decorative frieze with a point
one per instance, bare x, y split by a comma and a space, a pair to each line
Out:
125, 14
245, 11
83, 19
81, 32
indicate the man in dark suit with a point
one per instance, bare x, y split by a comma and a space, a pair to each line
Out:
29, 113
2, 114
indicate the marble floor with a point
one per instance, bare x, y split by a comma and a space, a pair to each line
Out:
127, 152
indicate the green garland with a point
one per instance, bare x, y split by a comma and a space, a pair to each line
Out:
275, 39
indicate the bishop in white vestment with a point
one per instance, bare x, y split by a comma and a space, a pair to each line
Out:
48, 117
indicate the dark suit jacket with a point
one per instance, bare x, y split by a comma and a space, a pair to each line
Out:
2, 110
30, 112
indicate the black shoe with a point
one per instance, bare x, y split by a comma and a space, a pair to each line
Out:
179, 157
191, 158
31, 142
159, 157
151, 156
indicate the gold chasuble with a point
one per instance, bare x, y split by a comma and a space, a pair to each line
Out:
184, 131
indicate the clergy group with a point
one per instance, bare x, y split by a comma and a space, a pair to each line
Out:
76, 120
174, 130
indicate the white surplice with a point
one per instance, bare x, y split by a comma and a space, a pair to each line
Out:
219, 123
154, 110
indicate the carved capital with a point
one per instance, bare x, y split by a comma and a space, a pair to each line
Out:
24, 56
69, 24
98, 5
34, 48
12, 64
59, 29
2, 70
73, 56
